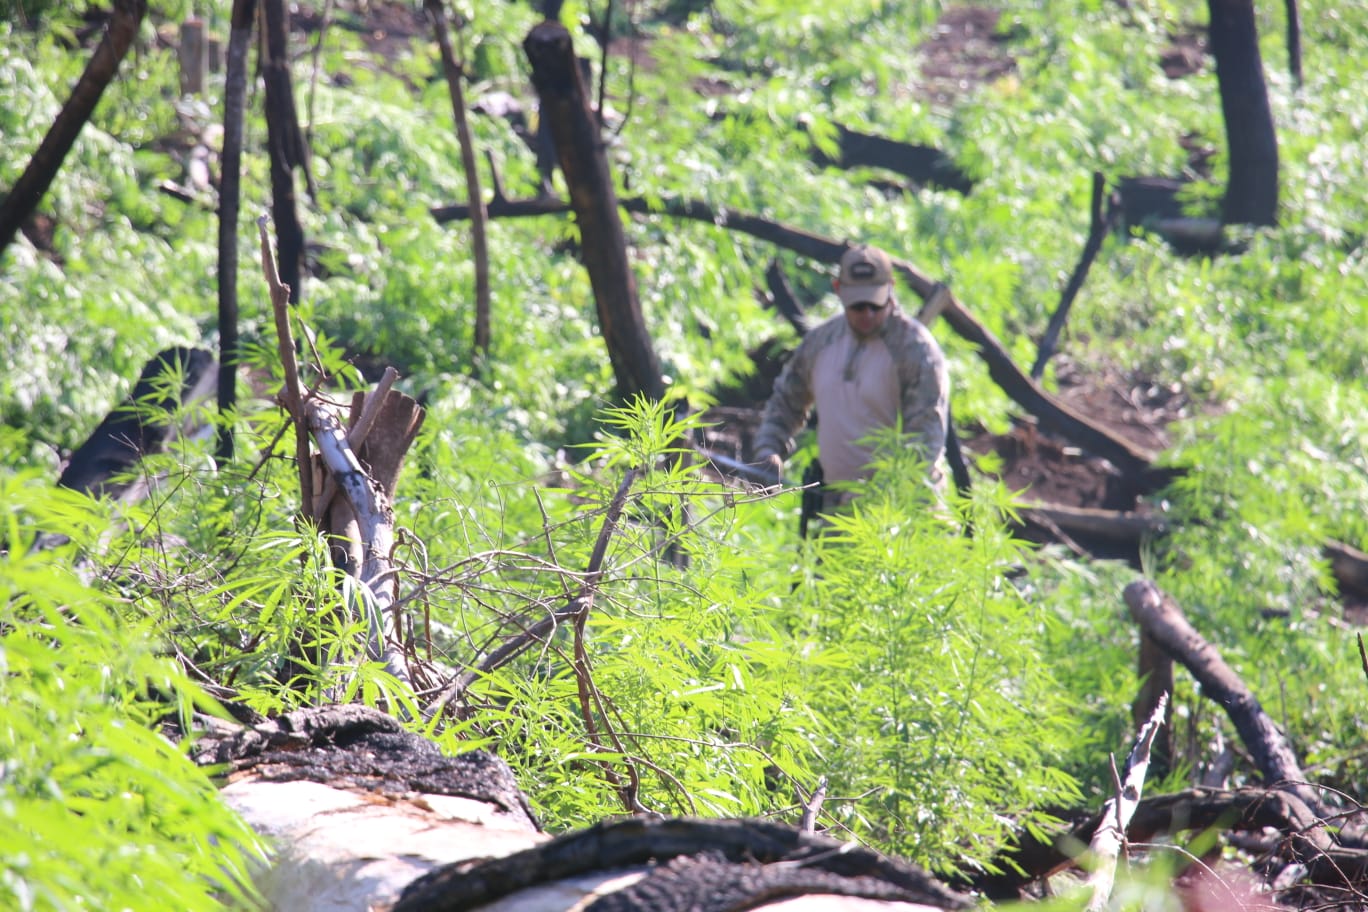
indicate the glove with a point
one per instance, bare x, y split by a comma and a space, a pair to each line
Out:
771, 462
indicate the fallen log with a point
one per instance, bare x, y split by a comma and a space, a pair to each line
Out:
689, 864
1120, 528
924, 165
1349, 566
355, 807
363, 814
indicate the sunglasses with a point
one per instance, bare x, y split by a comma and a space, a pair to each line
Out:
866, 307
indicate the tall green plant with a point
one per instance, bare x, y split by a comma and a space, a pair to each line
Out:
97, 808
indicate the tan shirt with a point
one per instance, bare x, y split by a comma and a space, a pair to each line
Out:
858, 386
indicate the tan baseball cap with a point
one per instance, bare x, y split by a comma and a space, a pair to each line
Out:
866, 275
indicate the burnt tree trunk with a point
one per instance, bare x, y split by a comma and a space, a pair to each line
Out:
286, 142
1251, 196
33, 184
579, 148
234, 107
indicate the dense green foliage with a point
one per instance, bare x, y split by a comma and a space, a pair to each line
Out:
947, 687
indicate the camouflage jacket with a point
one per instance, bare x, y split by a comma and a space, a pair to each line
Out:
858, 386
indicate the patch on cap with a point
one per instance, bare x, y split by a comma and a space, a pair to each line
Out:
866, 275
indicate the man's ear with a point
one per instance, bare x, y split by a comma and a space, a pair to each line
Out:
835, 284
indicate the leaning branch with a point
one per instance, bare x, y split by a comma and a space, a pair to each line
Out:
1160, 618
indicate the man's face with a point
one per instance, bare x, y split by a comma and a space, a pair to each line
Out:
863, 317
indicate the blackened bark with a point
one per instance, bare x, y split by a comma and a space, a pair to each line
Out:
33, 184
924, 165
286, 142
144, 423
1054, 414
1097, 232
234, 106
1163, 621
564, 104
1294, 51
1252, 191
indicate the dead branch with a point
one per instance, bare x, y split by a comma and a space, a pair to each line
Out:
784, 300
536, 632
1098, 227
1349, 566
455, 72
293, 398
1160, 618
1118, 810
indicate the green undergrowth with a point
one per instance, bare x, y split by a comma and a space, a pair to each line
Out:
946, 687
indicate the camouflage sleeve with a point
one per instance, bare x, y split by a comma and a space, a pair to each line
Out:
925, 382
788, 406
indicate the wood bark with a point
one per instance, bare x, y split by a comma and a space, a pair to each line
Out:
455, 75
1053, 414
230, 184
1251, 195
1349, 566
1098, 226
564, 104
1160, 618
362, 523
1294, 49
923, 165
784, 300
42, 168
644, 841
286, 144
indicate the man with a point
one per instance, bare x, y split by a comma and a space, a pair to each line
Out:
870, 367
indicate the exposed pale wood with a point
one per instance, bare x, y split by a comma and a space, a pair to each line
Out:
1110, 837
1161, 618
